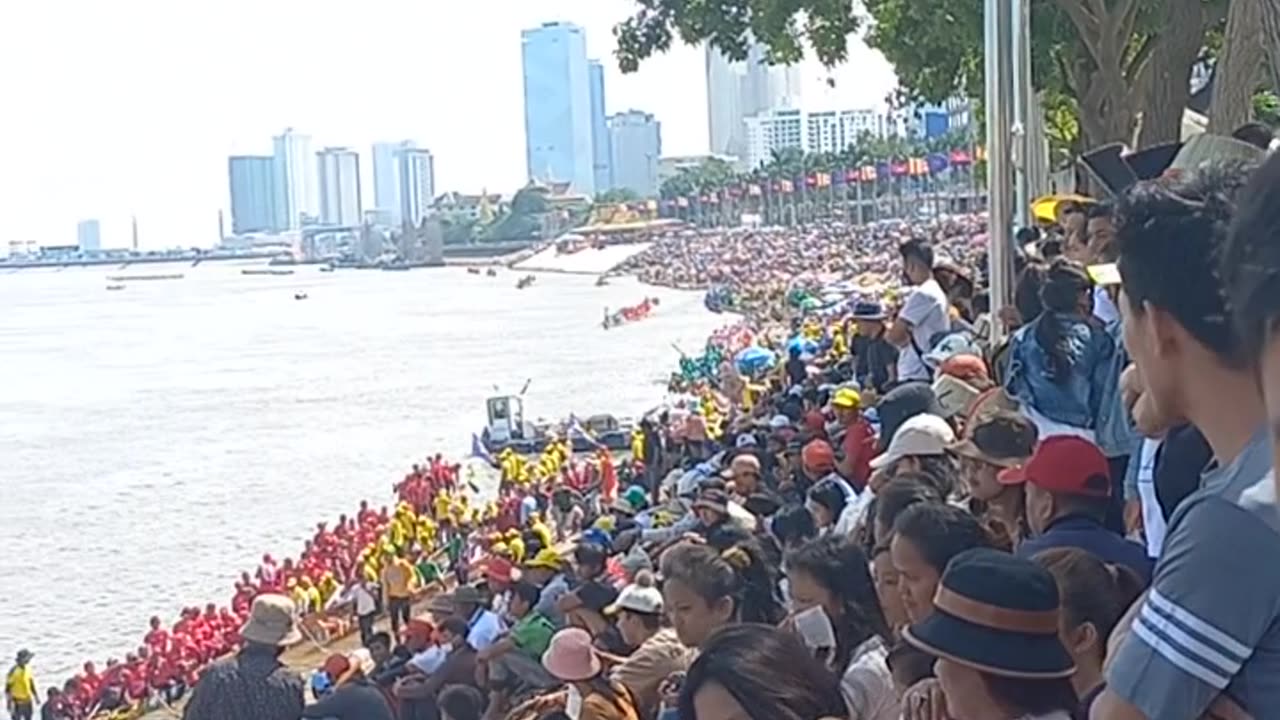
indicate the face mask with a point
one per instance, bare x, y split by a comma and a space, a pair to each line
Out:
573, 703
815, 628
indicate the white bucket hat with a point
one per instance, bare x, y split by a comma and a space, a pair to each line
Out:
271, 621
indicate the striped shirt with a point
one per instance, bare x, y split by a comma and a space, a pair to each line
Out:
1211, 623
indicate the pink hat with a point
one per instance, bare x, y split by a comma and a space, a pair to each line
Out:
571, 657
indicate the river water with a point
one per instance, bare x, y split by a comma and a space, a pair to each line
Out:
155, 441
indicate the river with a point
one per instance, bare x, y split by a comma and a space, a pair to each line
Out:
157, 440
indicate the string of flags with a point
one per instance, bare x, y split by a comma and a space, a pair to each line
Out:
931, 164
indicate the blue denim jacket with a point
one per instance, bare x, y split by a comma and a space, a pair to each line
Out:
1079, 400
1116, 434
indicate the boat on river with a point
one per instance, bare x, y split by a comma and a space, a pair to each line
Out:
115, 287
630, 314
266, 271
141, 278
525, 282
507, 429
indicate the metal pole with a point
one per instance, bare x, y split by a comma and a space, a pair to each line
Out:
1000, 189
1023, 104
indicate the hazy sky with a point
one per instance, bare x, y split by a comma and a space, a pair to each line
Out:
110, 108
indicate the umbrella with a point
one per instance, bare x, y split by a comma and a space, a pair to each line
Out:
804, 345
754, 359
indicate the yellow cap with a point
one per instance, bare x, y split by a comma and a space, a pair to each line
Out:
847, 398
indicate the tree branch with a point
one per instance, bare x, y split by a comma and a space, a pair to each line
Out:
1086, 24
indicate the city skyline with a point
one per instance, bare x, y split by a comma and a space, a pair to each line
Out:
165, 158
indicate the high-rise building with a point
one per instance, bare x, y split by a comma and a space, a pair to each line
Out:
600, 152
829, 131
636, 142
89, 235
295, 171
557, 106
386, 178
339, 173
769, 132
768, 87
417, 174
739, 90
255, 198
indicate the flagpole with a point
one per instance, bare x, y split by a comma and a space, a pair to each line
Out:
998, 36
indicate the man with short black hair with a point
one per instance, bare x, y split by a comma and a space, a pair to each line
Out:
1208, 633
923, 314
1251, 273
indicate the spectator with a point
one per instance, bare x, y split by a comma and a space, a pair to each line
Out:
657, 652
1195, 366
759, 671
515, 662
418, 693
1060, 363
253, 683
461, 702
925, 538
1003, 441
704, 589
923, 315
1067, 492
832, 574
994, 630
354, 695
1094, 595
573, 659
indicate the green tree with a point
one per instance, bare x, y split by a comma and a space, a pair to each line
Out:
618, 195
1116, 59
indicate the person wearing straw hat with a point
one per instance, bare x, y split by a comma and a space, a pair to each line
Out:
254, 683
994, 632
355, 696
572, 658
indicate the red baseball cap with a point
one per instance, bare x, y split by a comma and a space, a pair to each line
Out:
1064, 464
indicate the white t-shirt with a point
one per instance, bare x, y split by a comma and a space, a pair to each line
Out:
1104, 308
926, 310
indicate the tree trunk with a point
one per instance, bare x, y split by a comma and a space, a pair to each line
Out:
1271, 40
1236, 73
1097, 74
1164, 79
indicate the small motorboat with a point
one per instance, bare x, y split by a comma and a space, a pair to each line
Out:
473, 271
491, 272
299, 296
115, 287
525, 282
602, 281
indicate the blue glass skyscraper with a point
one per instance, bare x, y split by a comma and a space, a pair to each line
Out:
557, 106
601, 163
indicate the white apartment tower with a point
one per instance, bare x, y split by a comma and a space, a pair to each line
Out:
339, 173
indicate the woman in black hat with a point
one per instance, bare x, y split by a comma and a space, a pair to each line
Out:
994, 632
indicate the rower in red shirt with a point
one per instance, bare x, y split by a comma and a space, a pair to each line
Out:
158, 638
90, 684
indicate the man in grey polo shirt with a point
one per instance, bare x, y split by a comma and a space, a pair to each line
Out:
1208, 633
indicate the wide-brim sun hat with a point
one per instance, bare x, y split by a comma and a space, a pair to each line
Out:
571, 657
998, 614
271, 621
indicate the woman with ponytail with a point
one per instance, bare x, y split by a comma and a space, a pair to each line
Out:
1094, 596
1059, 364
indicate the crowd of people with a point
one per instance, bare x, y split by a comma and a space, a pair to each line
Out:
919, 511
